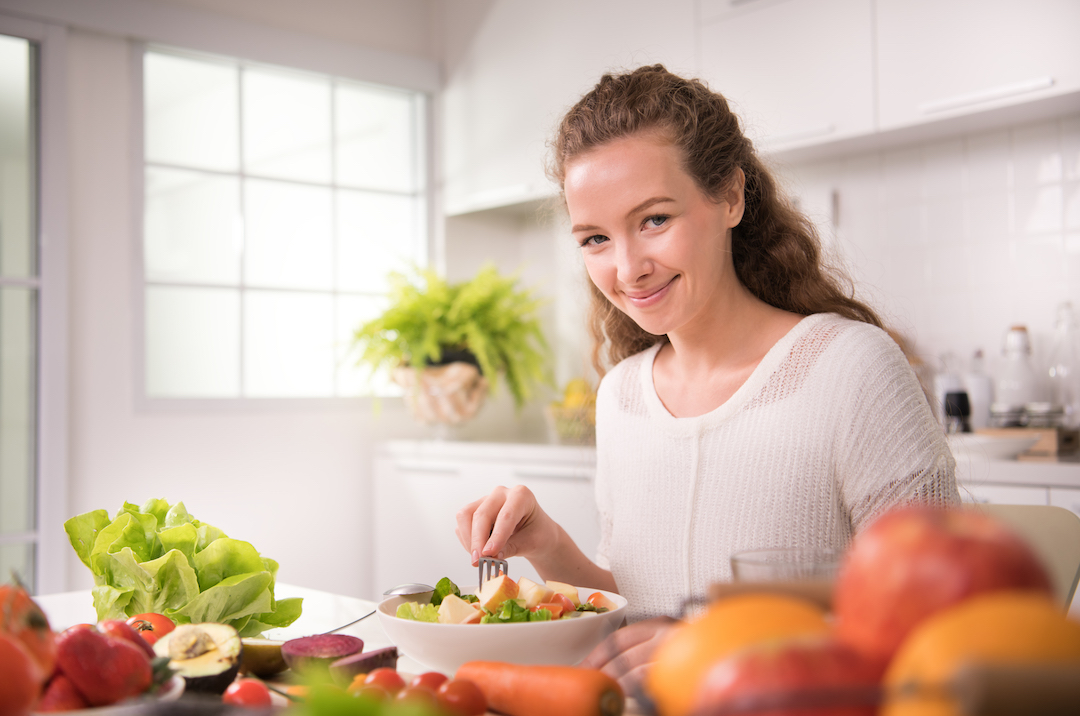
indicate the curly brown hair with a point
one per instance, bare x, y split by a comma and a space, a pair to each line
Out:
775, 248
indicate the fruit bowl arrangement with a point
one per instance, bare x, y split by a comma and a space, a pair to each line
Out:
459, 634
930, 606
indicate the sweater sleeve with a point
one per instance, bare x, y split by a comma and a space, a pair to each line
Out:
891, 450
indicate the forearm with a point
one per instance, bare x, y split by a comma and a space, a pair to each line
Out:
565, 562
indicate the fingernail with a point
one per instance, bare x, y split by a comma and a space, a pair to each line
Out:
475, 558
498, 556
488, 546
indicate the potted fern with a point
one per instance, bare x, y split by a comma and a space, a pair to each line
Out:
449, 344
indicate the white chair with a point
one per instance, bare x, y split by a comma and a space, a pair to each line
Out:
1054, 533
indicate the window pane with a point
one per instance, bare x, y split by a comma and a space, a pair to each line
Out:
353, 379
192, 112
288, 344
18, 397
289, 235
18, 255
193, 228
377, 233
19, 557
192, 342
287, 126
376, 130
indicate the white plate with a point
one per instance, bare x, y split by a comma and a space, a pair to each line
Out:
991, 447
445, 647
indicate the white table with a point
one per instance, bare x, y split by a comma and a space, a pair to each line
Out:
322, 612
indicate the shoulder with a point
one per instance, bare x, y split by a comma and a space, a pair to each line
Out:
852, 342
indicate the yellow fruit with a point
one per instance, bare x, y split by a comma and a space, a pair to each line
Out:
577, 394
1019, 627
682, 660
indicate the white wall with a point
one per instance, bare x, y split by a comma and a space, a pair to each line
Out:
958, 240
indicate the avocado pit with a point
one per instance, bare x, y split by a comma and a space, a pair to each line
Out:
206, 655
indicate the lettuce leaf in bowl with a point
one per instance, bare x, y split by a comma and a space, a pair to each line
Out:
158, 558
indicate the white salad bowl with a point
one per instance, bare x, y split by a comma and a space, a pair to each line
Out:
445, 647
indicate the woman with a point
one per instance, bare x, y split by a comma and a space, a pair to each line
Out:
753, 403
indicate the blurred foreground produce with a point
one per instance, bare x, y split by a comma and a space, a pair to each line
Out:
728, 626
158, 558
916, 561
937, 612
518, 690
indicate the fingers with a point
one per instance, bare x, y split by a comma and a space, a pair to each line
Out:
627, 650
464, 520
516, 510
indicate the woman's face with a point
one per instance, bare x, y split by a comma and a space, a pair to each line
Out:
656, 246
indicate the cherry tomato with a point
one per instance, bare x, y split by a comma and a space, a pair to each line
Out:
462, 698
418, 695
251, 693
151, 626
430, 680
356, 683
387, 678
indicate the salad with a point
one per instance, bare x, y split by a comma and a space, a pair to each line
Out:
503, 601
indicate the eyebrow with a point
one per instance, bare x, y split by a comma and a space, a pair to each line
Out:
639, 208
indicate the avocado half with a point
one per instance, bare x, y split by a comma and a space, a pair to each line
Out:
262, 657
206, 655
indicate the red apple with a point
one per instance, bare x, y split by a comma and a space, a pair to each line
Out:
800, 676
914, 561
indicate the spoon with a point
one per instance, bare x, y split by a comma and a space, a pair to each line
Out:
407, 590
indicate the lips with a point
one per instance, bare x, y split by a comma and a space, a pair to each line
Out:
648, 297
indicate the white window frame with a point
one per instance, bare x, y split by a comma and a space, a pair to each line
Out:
51, 510
148, 403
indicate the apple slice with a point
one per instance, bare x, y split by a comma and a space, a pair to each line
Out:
532, 592
555, 609
455, 610
598, 600
565, 589
496, 591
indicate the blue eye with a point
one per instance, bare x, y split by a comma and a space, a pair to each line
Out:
657, 221
594, 240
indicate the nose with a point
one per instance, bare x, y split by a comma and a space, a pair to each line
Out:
632, 262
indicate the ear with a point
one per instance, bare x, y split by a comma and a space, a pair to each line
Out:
734, 197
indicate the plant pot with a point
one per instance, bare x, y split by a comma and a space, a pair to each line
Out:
448, 394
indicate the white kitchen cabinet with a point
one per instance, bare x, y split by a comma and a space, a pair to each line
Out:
796, 72
942, 58
420, 486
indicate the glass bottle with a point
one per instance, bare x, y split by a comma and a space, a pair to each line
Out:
1016, 383
1064, 367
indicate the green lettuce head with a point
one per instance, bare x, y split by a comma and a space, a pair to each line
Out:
158, 558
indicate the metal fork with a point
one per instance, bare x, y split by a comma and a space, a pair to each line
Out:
491, 568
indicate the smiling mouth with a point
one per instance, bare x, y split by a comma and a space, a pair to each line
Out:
650, 296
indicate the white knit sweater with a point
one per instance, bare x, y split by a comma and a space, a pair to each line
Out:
831, 429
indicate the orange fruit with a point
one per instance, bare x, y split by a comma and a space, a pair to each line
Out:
1006, 627
683, 658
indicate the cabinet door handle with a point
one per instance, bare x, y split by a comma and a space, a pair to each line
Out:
987, 95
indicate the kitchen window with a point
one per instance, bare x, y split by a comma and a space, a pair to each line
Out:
275, 204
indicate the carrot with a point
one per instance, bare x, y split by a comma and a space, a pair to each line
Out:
518, 690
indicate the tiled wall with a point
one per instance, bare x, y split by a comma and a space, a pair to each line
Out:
957, 240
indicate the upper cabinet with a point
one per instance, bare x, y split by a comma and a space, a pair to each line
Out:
940, 59
796, 71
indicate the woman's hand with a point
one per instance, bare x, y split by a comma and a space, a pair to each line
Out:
625, 655
507, 523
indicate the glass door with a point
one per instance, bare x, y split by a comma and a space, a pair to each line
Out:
20, 287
